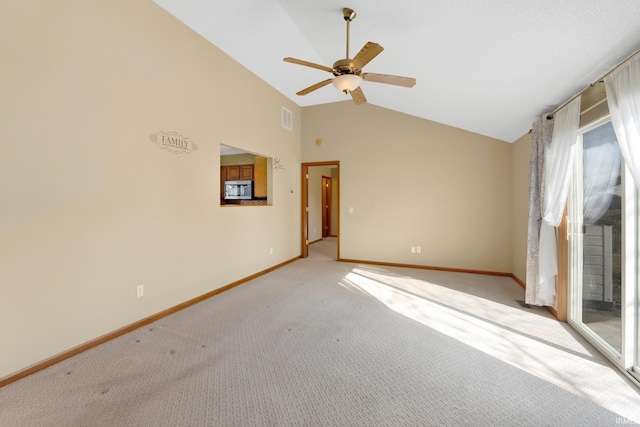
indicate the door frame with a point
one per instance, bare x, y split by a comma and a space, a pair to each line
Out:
624, 358
326, 206
304, 208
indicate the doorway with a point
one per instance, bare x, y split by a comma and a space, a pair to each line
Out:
320, 210
603, 255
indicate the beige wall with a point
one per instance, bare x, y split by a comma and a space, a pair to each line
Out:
90, 207
237, 159
520, 152
412, 182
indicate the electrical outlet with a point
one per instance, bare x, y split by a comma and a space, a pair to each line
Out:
140, 291
418, 249
270, 251
413, 249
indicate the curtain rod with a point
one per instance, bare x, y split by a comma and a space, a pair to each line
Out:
629, 58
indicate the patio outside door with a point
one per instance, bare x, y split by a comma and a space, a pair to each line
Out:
602, 233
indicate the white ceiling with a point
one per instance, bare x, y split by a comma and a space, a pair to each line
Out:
487, 66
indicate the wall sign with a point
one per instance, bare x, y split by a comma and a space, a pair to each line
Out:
277, 164
173, 142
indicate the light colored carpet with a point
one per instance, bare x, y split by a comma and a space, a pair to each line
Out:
324, 250
323, 343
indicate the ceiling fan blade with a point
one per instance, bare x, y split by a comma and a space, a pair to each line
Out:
366, 54
307, 64
388, 79
314, 87
358, 96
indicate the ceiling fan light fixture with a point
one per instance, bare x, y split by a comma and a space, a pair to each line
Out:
347, 82
347, 73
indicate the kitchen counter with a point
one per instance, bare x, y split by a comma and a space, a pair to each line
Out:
245, 202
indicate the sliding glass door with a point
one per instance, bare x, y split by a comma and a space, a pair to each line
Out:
602, 228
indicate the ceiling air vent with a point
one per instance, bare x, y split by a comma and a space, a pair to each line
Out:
287, 119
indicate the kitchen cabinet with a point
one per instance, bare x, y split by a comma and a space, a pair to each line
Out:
260, 178
246, 171
238, 172
232, 172
223, 178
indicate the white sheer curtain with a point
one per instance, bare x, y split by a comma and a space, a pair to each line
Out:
559, 161
600, 172
558, 165
541, 133
623, 97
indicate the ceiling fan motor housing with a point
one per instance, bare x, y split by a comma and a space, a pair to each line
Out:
345, 66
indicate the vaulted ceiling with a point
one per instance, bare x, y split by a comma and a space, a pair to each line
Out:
487, 66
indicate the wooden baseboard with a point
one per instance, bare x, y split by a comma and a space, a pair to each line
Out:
554, 312
458, 270
147, 320
519, 282
427, 267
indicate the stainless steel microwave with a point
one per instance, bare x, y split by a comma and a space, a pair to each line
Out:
234, 190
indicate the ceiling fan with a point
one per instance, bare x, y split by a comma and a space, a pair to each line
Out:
348, 72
